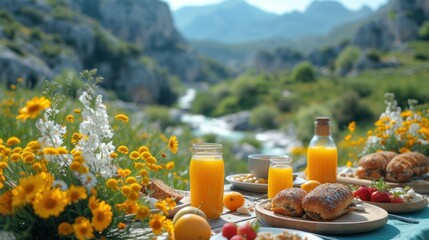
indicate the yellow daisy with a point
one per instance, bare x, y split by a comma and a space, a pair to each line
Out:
173, 144
82, 229
50, 151
155, 223
65, 229
131, 180
143, 212
112, 183
76, 137
13, 141
62, 150
134, 155
143, 149
134, 196
70, 118
30, 186
50, 203
76, 193
122, 225
169, 165
6, 203
102, 216
113, 155
123, 149
122, 117
77, 111
33, 107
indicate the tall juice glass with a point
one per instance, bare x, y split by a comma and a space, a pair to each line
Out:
207, 174
322, 156
279, 175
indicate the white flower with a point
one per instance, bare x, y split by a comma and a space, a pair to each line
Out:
51, 132
88, 180
60, 184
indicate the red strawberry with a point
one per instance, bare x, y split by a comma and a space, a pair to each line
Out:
238, 237
229, 230
248, 231
362, 193
382, 197
396, 198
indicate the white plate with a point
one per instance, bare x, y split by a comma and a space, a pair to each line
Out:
258, 187
302, 234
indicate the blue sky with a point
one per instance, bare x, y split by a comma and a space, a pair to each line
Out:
278, 6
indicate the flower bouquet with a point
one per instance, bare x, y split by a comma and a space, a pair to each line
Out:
69, 180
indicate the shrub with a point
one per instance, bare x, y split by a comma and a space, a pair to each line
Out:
303, 72
203, 103
305, 121
226, 106
350, 108
345, 61
264, 116
424, 31
160, 115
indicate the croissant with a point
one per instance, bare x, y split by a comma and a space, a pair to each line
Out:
405, 166
373, 166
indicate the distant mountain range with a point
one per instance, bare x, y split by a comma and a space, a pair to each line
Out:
235, 21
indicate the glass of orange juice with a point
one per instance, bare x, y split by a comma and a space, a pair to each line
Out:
206, 179
279, 174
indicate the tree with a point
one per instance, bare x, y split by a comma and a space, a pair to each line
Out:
303, 72
424, 31
347, 58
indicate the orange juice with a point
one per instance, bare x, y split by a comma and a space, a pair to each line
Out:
279, 178
207, 176
322, 164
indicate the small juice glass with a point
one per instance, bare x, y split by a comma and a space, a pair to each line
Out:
279, 175
206, 179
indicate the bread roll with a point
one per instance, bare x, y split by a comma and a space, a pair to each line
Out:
373, 166
405, 166
327, 202
288, 202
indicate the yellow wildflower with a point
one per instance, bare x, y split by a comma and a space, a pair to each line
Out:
143, 212
134, 196
70, 118
65, 229
13, 141
143, 149
126, 190
50, 203
134, 155
102, 216
6, 203
50, 151
33, 108
123, 149
82, 229
155, 223
122, 117
131, 180
169, 165
112, 183
173, 144
121, 225
113, 155
76, 193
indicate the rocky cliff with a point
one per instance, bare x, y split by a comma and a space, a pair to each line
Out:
393, 24
132, 43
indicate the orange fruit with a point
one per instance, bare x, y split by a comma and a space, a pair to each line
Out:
309, 185
192, 226
233, 200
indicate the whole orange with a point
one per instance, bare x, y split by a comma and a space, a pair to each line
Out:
233, 200
192, 226
309, 185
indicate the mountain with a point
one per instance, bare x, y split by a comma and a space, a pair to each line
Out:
235, 21
393, 24
133, 44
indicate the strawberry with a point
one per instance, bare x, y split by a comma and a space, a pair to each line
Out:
248, 231
382, 197
363, 193
229, 230
237, 237
396, 198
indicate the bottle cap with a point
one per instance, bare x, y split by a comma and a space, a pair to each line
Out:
322, 126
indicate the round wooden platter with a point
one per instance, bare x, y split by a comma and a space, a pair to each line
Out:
402, 207
420, 186
353, 222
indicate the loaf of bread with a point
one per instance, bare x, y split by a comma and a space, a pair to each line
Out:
327, 202
159, 190
289, 202
373, 166
405, 166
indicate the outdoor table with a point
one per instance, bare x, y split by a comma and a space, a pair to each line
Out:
393, 229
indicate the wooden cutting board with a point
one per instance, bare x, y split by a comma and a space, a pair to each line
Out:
420, 186
353, 222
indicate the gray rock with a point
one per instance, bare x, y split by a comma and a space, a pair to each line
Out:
13, 66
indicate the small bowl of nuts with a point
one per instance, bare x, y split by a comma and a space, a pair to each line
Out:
259, 164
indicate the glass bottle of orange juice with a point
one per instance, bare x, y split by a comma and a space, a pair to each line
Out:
207, 174
322, 156
279, 175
